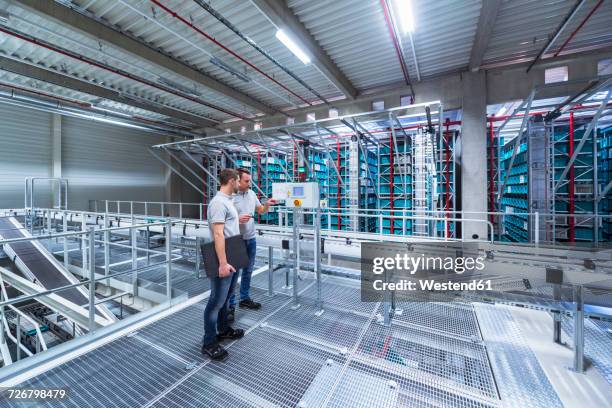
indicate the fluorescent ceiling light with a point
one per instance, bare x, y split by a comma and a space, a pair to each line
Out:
288, 42
405, 14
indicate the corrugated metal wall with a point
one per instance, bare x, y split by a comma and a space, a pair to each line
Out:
103, 161
25, 150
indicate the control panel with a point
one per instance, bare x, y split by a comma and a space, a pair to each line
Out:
297, 194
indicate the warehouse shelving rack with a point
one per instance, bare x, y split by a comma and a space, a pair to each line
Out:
605, 174
342, 154
548, 185
395, 183
446, 173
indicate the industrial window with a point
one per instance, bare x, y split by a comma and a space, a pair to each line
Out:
311, 117
405, 100
333, 113
378, 105
604, 67
257, 126
557, 74
290, 120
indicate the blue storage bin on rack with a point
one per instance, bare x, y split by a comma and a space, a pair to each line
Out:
272, 165
515, 199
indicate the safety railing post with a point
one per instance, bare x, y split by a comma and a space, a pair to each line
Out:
536, 225
578, 329
92, 278
106, 248
65, 242
83, 241
198, 260
317, 257
168, 259
18, 336
270, 271
134, 244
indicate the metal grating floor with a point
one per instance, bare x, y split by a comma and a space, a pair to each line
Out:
431, 356
334, 329
597, 343
437, 360
455, 318
520, 378
346, 296
124, 373
264, 366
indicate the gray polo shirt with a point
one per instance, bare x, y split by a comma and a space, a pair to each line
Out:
222, 210
246, 203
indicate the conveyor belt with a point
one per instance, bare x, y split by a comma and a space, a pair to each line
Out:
46, 273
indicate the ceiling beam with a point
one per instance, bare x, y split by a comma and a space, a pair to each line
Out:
558, 32
52, 77
282, 17
486, 23
100, 31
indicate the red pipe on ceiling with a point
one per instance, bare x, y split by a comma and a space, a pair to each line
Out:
395, 42
116, 71
571, 36
212, 39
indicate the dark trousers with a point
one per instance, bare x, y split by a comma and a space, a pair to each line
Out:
215, 314
245, 273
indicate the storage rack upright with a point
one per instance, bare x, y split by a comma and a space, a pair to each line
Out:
338, 200
395, 182
605, 176
577, 196
446, 177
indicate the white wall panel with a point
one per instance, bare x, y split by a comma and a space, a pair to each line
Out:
104, 161
25, 150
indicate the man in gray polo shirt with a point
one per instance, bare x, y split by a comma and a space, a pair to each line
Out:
247, 204
223, 223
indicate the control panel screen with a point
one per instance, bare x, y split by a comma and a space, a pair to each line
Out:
298, 191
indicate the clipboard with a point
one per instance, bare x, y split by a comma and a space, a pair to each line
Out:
235, 250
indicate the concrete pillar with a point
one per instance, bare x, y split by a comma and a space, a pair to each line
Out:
474, 153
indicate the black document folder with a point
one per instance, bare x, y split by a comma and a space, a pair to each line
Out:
235, 250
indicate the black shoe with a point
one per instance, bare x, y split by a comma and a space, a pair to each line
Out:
230, 314
215, 351
249, 304
231, 334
